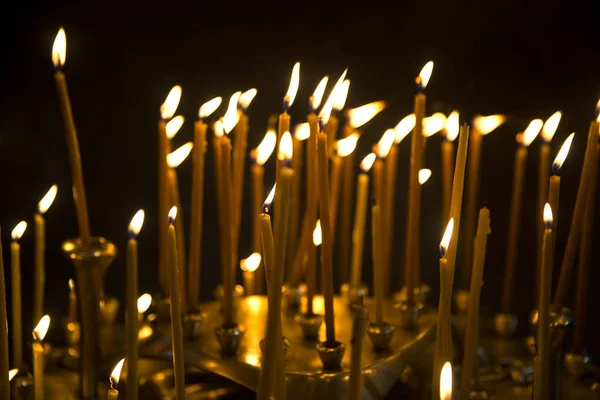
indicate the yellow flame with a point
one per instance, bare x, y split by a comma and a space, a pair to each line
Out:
286, 147
339, 101
71, 285
433, 124
318, 234
302, 131
550, 126
317, 96
347, 145
446, 382
270, 196
404, 127
251, 263
486, 124
144, 302
367, 162
385, 143
168, 108
40, 330
218, 128
59, 48
328, 106
174, 125
264, 150
209, 107
548, 216
424, 175
425, 74
47, 200
447, 236
532, 131
452, 126
115, 375
19, 230
173, 213
247, 97
598, 111
12, 373
137, 222
231, 117
175, 158
359, 116
563, 152
145, 332
290, 96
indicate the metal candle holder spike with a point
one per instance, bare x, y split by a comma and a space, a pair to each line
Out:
380, 335
331, 357
354, 294
310, 325
229, 338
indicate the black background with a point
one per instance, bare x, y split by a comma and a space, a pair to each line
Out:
524, 59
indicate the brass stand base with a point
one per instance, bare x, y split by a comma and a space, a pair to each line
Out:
331, 357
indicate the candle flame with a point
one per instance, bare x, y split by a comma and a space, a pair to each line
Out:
19, 230
548, 219
172, 214
71, 285
144, 302
562, 154
359, 116
346, 145
367, 162
446, 382
598, 111
486, 124
115, 375
550, 126
404, 127
269, 200
531, 132
47, 200
339, 101
231, 117
174, 125
209, 107
12, 373
136, 223
59, 49
385, 143
266, 147
328, 106
452, 126
218, 128
424, 175
251, 263
446, 237
40, 330
168, 108
290, 96
317, 97
425, 74
317, 234
175, 158
246, 98
286, 147
145, 332
302, 131
433, 124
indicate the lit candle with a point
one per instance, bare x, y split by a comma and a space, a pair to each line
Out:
343, 148
131, 315
377, 266
39, 332
288, 100
523, 140
59, 54
554, 190
446, 379
72, 301
4, 380
360, 219
481, 127
311, 269
248, 267
198, 201
301, 133
359, 330
143, 304
283, 200
39, 255
115, 377
451, 133
176, 323
15, 263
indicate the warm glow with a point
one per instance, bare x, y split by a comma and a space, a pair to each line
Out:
246, 98
266, 147
339, 101
359, 116
531, 132
286, 147
446, 238
171, 102
598, 111
562, 153
251, 263
209, 107
367, 162
174, 125
385, 143
433, 124
326, 110
145, 332
317, 234
486, 124
47, 200
172, 214
175, 158
290, 96
548, 216
550, 126
317, 96
59, 49
218, 128
12, 373
446, 382
404, 127
346, 145
40, 330
71, 285
144, 302
425, 75
231, 117
115, 375
302, 131
452, 126
269, 200
19, 230
424, 175
136, 223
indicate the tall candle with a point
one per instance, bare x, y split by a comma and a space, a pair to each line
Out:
451, 133
4, 381
115, 377
17, 323
346, 206
334, 189
39, 332
72, 301
377, 273
311, 268
226, 245
359, 331
301, 133
288, 100
514, 223
59, 54
39, 254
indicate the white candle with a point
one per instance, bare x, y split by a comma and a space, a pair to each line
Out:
38, 356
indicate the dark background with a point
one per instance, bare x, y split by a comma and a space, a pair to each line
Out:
524, 59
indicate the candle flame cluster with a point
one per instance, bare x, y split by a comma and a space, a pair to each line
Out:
446, 237
317, 234
144, 302
486, 124
175, 158
19, 230
404, 127
562, 154
136, 223
209, 107
251, 263
168, 108
47, 200
550, 127
346, 146
266, 147
452, 126
359, 116
40, 330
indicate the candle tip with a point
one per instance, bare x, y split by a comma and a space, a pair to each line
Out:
424, 175
446, 238
302, 131
317, 96
12, 373
269, 200
168, 108
19, 230
47, 200
251, 263
40, 330
115, 375
266, 147
136, 224
290, 95
174, 125
286, 149
59, 49
175, 158
209, 107
339, 101
424, 76
433, 124
562, 154
71, 285
451, 127
367, 162
446, 379
548, 219
246, 98
550, 126
172, 214
346, 146
144, 302
231, 117
317, 234
359, 116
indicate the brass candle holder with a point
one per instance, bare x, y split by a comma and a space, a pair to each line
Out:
354, 294
380, 335
310, 325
